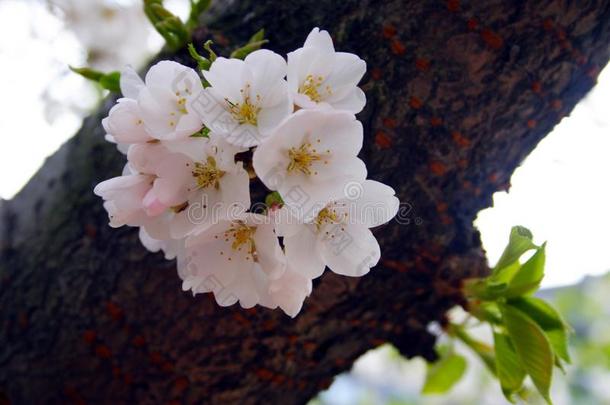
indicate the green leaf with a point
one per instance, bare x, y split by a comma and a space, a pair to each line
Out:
520, 241
109, 81
88, 73
532, 347
551, 322
256, 41
444, 374
528, 278
508, 367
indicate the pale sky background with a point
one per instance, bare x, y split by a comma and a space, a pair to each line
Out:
561, 192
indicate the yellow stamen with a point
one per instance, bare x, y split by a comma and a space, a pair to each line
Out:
302, 158
326, 216
246, 112
207, 174
310, 87
243, 237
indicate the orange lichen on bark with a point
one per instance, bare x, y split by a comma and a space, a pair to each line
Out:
437, 168
397, 47
382, 140
422, 64
460, 140
492, 39
388, 31
415, 103
390, 123
436, 121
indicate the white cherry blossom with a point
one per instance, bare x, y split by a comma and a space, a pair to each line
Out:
247, 99
310, 157
236, 260
167, 102
339, 236
320, 77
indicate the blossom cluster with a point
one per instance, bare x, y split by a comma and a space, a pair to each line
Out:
194, 146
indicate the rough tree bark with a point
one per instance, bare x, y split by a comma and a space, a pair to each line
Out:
458, 94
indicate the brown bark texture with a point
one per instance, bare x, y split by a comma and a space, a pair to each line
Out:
459, 92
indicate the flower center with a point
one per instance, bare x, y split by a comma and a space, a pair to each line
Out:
302, 158
326, 216
242, 236
246, 112
310, 87
207, 174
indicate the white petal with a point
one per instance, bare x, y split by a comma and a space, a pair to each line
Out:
319, 39
227, 77
130, 83
290, 291
372, 204
267, 68
349, 250
302, 252
270, 255
353, 102
269, 118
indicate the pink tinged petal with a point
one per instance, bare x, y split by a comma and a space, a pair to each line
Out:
130, 83
152, 205
290, 291
125, 123
175, 180
349, 250
146, 157
319, 39
302, 252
